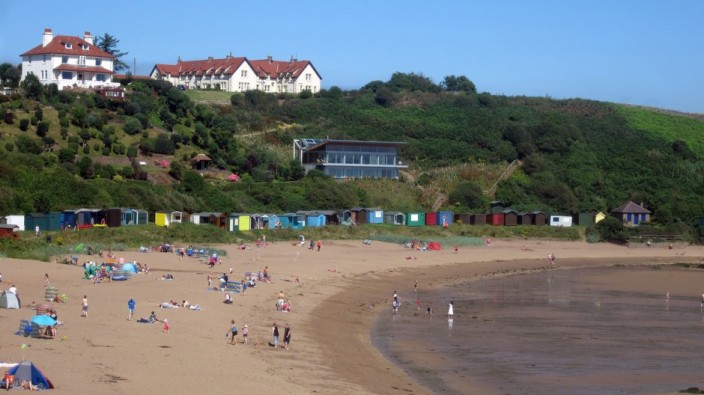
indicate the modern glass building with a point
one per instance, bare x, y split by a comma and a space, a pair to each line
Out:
343, 159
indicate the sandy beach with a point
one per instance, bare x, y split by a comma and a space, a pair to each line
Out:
340, 291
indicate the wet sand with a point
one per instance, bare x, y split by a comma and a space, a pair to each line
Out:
341, 290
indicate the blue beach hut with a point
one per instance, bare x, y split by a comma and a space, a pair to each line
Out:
444, 218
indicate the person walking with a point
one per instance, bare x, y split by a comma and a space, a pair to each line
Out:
245, 333
233, 332
130, 306
166, 325
84, 310
287, 336
450, 310
275, 333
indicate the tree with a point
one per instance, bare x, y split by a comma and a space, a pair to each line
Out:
458, 84
10, 75
108, 44
468, 195
33, 89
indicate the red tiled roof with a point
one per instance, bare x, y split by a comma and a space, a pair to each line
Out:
57, 46
89, 69
280, 69
208, 67
630, 207
167, 69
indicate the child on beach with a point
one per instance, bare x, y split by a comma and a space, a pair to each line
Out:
84, 310
166, 325
245, 334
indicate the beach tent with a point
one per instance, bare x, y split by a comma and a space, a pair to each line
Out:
28, 371
9, 301
129, 267
433, 246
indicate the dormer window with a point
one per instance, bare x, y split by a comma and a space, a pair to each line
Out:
68, 45
85, 47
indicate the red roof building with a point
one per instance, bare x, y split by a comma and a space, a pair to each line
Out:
69, 62
238, 74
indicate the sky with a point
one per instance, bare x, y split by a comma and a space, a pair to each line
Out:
641, 52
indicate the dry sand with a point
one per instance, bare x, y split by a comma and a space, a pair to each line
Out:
342, 288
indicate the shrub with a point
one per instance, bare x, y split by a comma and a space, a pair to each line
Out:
9, 118
34, 120
9, 147
131, 151
42, 128
24, 124
132, 127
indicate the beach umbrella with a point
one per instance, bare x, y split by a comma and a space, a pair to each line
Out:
43, 320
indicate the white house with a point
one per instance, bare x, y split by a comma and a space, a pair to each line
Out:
233, 74
69, 61
13, 220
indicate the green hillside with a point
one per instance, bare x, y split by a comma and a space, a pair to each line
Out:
72, 149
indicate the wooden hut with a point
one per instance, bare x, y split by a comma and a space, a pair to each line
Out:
525, 219
431, 219
45, 221
495, 218
178, 217
113, 216
162, 218
463, 218
510, 217
583, 218
238, 222
9, 231
395, 218
539, 218
345, 217
415, 218
314, 219
478, 219
201, 162
141, 217
331, 217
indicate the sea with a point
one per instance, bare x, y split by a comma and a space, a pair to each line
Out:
551, 332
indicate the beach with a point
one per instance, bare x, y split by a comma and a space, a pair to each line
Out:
336, 294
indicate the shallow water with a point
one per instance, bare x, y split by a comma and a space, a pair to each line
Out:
554, 332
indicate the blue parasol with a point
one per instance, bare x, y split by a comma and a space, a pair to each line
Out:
43, 320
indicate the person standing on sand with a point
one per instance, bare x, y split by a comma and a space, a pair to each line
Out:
166, 325
450, 309
233, 332
130, 306
84, 310
245, 333
319, 244
275, 333
287, 336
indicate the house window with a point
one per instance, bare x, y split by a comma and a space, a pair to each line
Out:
64, 59
68, 45
100, 77
308, 77
98, 62
244, 73
30, 59
44, 59
82, 60
85, 47
80, 76
67, 75
45, 74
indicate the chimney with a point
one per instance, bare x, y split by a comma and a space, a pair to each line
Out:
293, 59
210, 58
269, 59
88, 38
48, 36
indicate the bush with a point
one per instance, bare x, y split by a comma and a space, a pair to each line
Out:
24, 124
131, 151
42, 128
133, 127
34, 120
9, 118
9, 147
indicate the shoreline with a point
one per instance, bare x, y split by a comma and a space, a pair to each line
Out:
331, 350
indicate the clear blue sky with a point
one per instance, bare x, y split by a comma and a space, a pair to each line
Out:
646, 52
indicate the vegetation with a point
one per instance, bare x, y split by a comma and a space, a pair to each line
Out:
66, 149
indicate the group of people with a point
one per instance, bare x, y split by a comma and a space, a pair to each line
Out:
287, 335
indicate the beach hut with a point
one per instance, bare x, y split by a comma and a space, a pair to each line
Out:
295, 221
358, 217
239, 222
128, 216
45, 221
510, 217
497, 206
415, 218
113, 216
478, 219
463, 218
395, 218
561, 220
539, 218
313, 218
631, 214
178, 217
495, 218
431, 219
583, 218
599, 217
141, 217
525, 219
444, 218
162, 218
257, 221
14, 220
68, 219
331, 217
374, 215
9, 231
345, 217
274, 222
85, 217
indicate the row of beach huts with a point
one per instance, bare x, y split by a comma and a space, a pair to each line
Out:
499, 216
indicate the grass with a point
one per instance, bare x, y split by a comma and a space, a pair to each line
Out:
671, 127
65, 243
208, 95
